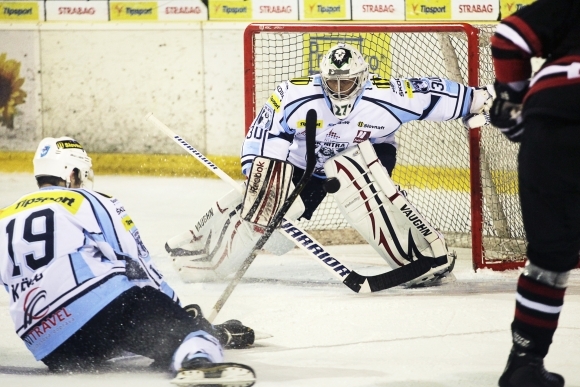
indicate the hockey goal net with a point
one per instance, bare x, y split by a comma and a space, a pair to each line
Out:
464, 182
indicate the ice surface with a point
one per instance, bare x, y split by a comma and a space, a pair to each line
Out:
323, 334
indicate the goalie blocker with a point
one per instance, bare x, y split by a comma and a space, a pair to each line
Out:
224, 236
373, 205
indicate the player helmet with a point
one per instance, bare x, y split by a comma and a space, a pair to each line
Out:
59, 157
344, 73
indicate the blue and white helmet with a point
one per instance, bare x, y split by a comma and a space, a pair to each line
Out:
344, 73
59, 157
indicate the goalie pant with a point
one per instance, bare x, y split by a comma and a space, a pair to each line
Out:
373, 205
220, 241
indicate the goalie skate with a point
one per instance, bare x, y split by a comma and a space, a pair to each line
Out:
201, 372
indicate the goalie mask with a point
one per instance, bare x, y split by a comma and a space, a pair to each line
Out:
59, 157
344, 73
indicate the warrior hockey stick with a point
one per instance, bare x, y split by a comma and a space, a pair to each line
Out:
355, 281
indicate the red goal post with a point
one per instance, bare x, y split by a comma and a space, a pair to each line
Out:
464, 182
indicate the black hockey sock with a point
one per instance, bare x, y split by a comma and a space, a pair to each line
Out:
538, 308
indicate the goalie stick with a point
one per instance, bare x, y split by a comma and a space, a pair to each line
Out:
356, 282
279, 217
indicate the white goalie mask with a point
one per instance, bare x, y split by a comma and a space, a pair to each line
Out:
59, 157
344, 73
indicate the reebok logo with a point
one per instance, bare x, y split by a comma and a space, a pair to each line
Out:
256, 177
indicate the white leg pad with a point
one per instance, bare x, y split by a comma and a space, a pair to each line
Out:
219, 242
373, 205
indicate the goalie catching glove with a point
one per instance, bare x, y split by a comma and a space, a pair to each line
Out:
224, 237
481, 103
373, 205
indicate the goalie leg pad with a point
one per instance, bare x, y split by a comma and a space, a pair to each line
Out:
373, 205
217, 245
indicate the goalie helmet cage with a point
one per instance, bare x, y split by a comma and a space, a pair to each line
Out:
464, 182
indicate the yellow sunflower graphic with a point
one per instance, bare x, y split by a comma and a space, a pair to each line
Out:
10, 92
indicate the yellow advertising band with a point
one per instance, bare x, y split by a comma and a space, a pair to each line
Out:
408, 176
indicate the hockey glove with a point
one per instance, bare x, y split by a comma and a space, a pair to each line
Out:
481, 101
506, 111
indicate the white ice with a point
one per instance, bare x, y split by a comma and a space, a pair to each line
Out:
323, 334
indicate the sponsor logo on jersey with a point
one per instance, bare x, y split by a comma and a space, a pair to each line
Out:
128, 222
24, 284
35, 306
24, 10
398, 87
275, 102
361, 136
408, 89
314, 248
52, 323
332, 136
369, 126
69, 200
302, 124
141, 249
419, 85
324, 151
338, 123
417, 222
280, 91
68, 144
145, 10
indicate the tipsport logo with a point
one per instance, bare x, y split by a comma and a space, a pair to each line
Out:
24, 10
133, 11
231, 10
325, 9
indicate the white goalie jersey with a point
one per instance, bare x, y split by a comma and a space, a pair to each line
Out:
278, 131
64, 255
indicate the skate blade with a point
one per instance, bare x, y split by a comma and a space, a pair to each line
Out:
217, 375
448, 278
259, 335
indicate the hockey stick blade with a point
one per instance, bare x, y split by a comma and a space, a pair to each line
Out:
365, 284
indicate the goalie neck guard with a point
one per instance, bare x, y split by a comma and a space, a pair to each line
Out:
344, 73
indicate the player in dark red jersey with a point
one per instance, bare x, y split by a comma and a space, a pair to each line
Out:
543, 113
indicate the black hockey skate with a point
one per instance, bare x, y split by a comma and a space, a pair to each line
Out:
526, 370
201, 372
233, 334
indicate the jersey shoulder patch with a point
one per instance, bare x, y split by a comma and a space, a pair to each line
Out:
302, 81
380, 83
69, 200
